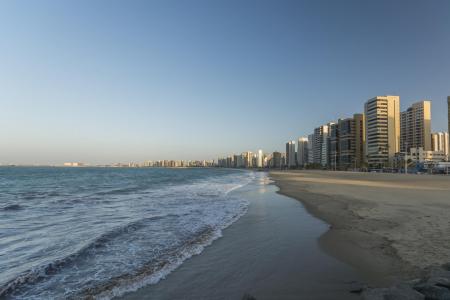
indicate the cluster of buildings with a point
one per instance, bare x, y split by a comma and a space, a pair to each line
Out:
152, 164
174, 164
244, 160
379, 138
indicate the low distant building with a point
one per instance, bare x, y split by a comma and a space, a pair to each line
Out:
422, 156
440, 142
73, 164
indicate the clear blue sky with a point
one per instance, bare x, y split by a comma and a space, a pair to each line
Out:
106, 81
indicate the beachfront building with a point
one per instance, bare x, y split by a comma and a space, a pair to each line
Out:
276, 160
360, 140
317, 143
302, 152
259, 159
325, 153
283, 160
320, 145
248, 159
448, 114
422, 156
382, 130
333, 147
310, 149
347, 143
415, 127
239, 161
440, 142
290, 155
230, 162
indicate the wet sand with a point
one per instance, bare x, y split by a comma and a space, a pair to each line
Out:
272, 252
387, 226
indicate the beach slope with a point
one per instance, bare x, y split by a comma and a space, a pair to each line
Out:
388, 226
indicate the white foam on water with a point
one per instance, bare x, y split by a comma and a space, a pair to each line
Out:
158, 230
154, 278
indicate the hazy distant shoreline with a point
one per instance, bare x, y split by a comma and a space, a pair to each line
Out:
388, 226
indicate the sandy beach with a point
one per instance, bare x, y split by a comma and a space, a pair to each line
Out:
388, 226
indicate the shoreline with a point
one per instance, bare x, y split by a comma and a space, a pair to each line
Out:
271, 252
371, 219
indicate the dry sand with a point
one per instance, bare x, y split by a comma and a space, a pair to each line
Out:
388, 226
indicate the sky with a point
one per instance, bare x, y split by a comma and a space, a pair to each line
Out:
119, 81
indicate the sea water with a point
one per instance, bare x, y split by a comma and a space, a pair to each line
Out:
101, 232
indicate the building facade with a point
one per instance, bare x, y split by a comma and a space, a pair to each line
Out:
382, 130
310, 149
276, 160
415, 127
259, 159
347, 143
333, 147
420, 155
360, 140
320, 145
302, 152
290, 154
448, 114
440, 142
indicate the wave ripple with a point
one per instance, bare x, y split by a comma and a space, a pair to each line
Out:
129, 229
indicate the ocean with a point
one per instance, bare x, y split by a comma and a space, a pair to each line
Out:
101, 232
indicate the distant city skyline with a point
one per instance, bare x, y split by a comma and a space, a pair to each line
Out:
103, 82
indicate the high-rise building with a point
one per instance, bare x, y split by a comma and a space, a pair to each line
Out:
283, 160
333, 147
276, 160
290, 154
448, 113
347, 143
440, 142
382, 130
260, 158
248, 159
302, 151
230, 162
360, 140
448, 117
415, 127
317, 143
287, 152
325, 153
310, 149
320, 145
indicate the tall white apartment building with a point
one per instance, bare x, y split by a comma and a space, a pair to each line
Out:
415, 127
320, 147
290, 154
382, 130
302, 151
259, 159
